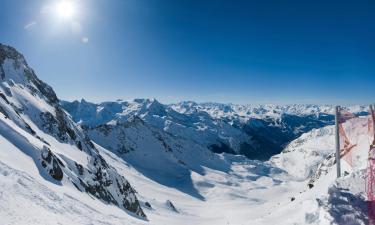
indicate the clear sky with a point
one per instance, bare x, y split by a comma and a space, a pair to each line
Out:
240, 51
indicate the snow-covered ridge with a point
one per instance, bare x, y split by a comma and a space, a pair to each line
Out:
219, 110
272, 192
52, 172
56, 149
100, 113
257, 132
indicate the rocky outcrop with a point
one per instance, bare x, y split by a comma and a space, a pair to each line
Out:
20, 64
322, 169
52, 164
171, 206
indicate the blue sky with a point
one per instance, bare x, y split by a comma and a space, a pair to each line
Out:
269, 51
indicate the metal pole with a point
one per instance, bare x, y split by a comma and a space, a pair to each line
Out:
373, 121
337, 141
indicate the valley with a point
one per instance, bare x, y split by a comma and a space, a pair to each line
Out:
144, 162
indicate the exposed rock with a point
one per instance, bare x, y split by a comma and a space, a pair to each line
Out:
95, 177
148, 205
44, 88
171, 206
4, 112
57, 125
162, 141
2, 73
221, 147
52, 164
8, 91
134, 206
29, 129
7, 52
79, 168
79, 145
4, 97
322, 169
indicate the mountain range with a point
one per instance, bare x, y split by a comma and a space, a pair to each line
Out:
258, 132
144, 162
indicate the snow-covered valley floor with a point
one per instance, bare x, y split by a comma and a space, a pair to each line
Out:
252, 192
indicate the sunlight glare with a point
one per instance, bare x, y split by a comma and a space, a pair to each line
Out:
65, 9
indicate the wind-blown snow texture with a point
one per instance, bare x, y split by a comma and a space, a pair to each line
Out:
55, 172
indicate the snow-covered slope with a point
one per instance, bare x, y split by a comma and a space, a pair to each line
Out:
51, 172
200, 128
297, 186
270, 127
257, 132
254, 192
327, 200
52, 147
303, 156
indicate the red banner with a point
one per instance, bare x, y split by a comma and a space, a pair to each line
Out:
346, 146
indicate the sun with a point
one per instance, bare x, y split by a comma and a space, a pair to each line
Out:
65, 9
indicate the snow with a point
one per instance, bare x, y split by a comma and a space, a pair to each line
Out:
25, 200
255, 191
162, 151
39, 139
255, 131
212, 189
248, 192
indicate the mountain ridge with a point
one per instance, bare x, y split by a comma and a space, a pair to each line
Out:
33, 120
257, 132
56, 171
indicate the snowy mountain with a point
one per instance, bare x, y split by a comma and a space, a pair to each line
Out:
257, 132
60, 168
158, 155
45, 141
310, 159
245, 191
